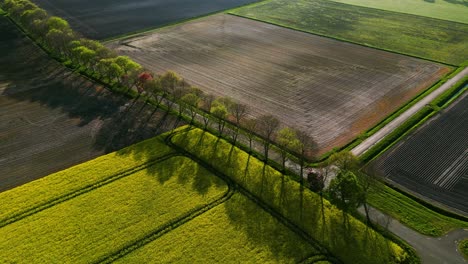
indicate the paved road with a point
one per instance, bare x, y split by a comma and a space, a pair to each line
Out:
387, 129
432, 250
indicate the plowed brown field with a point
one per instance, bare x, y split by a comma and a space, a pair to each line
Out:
331, 89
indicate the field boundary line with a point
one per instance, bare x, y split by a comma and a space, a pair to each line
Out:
90, 187
282, 219
344, 40
169, 225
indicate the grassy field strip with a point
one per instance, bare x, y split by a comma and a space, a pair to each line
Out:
304, 208
440, 9
38, 192
57, 200
411, 213
423, 37
238, 231
87, 228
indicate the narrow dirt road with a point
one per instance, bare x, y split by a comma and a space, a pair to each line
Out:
431, 250
374, 139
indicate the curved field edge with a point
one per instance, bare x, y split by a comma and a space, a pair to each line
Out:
463, 247
440, 9
375, 28
237, 231
322, 221
86, 228
414, 213
38, 193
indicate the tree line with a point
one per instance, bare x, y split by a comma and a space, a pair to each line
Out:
102, 63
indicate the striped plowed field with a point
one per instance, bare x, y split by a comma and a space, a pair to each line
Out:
51, 118
433, 161
331, 89
110, 18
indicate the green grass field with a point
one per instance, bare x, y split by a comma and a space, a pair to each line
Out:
424, 37
238, 231
456, 11
412, 213
93, 225
326, 224
463, 247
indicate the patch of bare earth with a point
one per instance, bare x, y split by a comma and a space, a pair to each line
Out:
331, 89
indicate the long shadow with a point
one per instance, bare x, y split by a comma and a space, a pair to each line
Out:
53, 118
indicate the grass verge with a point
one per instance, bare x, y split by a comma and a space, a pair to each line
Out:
318, 218
422, 37
237, 231
463, 247
86, 228
412, 213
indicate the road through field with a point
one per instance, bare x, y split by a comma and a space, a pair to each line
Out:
431, 250
374, 139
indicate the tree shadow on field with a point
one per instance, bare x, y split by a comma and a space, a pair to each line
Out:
64, 118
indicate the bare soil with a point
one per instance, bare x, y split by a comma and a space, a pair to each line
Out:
52, 118
331, 89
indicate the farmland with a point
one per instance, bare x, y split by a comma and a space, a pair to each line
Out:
330, 89
128, 201
424, 37
447, 10
52, 118
224, 234
324, 222
432, 161
105, 19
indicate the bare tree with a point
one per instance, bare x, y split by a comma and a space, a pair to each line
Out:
307, 144
251, 125
268, 126
239, 112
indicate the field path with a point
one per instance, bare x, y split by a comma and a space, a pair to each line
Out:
431, 250
390, 127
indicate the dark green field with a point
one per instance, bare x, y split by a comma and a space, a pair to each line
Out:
424, 37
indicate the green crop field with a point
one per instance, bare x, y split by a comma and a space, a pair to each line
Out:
93, 225
140, 198
236, 230
36, 195
438, 40
456, 11
325, 224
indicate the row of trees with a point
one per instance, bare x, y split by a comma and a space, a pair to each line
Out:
56, 35
349, 187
